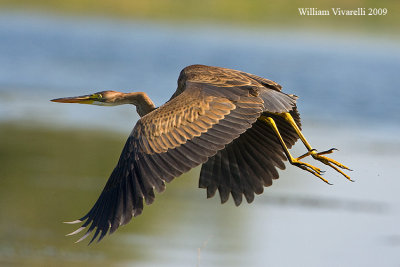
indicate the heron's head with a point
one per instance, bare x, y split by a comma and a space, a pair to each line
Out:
142, 102
104, 98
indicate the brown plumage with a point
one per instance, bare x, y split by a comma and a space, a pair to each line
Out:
213, 119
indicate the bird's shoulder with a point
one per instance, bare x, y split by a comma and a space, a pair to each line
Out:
223, 77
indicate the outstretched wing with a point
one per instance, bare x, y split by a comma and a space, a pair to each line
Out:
167, 142
248, 163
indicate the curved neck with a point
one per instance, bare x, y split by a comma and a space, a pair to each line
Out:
143, 103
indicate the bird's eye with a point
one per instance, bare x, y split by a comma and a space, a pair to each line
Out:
96, 96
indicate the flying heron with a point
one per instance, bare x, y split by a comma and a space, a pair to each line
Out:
238, 125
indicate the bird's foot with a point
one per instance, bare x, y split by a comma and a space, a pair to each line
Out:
308, 167
328, 161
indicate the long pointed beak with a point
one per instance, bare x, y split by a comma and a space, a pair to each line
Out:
84, 99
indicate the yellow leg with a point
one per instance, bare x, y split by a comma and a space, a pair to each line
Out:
294, 161
318, 156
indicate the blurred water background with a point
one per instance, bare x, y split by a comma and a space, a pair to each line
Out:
56, 158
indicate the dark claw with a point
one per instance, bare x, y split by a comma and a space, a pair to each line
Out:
329, 151
332, 149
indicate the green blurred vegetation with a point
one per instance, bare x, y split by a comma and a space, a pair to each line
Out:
238, 12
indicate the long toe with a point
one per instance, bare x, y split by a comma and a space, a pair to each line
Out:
311, 169
331, 162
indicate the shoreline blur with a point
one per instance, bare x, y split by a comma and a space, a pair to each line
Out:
230, 12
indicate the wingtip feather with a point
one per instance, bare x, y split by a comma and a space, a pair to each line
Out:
73, 222
83, 237
76, 231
